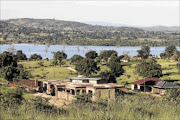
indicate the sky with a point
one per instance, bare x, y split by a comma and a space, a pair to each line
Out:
140, 13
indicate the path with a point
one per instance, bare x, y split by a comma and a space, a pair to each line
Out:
70, 68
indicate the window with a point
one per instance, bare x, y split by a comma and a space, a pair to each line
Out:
73, 92
60, 89
83, 91
85, 81
78, 92
68, 91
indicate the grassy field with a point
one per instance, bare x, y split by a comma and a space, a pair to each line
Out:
49, 72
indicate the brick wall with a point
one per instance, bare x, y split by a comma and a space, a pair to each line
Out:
29, 83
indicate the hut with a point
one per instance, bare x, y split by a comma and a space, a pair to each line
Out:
125, 59
144, 85
173, 58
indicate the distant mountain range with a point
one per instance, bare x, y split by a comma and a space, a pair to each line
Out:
52, 31
151, 28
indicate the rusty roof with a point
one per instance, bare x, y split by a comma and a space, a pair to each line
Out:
142, 81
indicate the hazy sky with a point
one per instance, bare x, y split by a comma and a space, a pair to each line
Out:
141, 13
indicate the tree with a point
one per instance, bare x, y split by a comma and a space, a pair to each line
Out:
23, 73
7, 59
169, 51
87, 67
76, 58
10, 73
59, 56
105, 54
144, 52
91, 54
115, 68
20, 55
149, 68
108, 76
35, 57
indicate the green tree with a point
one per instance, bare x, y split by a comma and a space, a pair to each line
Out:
144, 52
108, 76
23, 73
59, 56
35, 57
75, 59
149, 68
169, 51
115, 68
7, 59
20, 55
91, 54
105, 54
87, 67
10, 73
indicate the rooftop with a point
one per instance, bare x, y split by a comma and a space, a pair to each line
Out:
142, 81
165, 84
80, 78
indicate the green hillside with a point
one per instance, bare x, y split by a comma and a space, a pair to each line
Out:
51, 31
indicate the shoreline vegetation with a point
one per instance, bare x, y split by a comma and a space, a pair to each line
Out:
57, 32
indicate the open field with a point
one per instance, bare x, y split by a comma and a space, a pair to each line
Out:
49, 72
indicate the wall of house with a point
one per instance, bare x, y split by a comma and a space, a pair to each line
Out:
157, 90
29, 83
104, 94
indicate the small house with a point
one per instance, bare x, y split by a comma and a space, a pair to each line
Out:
145, 84
161, 87
125, 59
173, 58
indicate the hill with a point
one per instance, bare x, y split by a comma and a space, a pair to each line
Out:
162, 28
51, 31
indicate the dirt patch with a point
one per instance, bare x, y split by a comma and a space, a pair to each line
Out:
70, 68
53, 100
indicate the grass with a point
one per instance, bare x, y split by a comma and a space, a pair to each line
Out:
170, 72
48, 71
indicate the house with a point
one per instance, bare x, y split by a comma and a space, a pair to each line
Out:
125, 59
161, 87
30, 84
97, 88
173, 58
145, 84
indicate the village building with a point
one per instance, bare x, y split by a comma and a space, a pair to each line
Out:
125, 59
29, 84
97, 88
162, 86
144, 85
173, 58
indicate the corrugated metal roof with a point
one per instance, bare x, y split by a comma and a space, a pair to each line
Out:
165, 84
